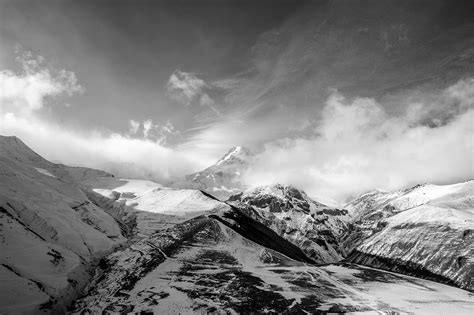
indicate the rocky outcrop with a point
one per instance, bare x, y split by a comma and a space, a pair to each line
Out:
312, 226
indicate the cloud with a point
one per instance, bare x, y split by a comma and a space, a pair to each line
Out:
24, 94
161, 134
357, 146
26, 91
184, 87
133, 126
336, 148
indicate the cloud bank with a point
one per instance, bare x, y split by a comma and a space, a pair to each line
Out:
357, 146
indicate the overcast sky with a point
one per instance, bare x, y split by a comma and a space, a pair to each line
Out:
336, 97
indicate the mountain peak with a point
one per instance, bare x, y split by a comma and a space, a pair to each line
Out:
222, 179
237, 153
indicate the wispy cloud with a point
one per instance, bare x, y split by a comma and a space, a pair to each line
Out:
184, 87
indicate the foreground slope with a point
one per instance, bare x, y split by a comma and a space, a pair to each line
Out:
311, 225
51, 233
427, 231
228, 263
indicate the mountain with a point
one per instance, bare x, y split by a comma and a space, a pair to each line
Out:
67, 219
426, 231
228, 263
222, 179
311, 225
51, 233
155, 207
135, 246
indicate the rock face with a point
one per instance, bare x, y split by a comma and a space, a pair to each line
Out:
312, 226
228, 263
223, 178
426, 231
50, 231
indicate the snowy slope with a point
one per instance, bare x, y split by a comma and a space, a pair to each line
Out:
50, 232
222, 179
154, 206
426, 230
213, 264
314, 227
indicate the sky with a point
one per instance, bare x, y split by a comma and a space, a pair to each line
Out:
335, 97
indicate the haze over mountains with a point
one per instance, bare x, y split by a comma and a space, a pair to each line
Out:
137, 246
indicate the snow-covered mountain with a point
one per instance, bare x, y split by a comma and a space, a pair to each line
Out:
222, 179
427, 231
67, 218
155, 207
228, 263
51, 233
135, 246
311, 225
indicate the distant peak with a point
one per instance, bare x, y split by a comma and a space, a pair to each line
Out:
238, 152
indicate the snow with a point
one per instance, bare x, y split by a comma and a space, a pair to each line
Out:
458, 219
45, 172
223, 178
210, 285
234, 152
403, 294
310, 225
223, 188
458, 196
152, 197
50, 212
428, 226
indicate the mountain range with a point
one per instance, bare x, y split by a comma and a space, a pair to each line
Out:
82, 241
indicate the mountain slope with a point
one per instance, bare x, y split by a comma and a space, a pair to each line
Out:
44, 214
225, 263
223, 178
312, 226
426, 231
154, 206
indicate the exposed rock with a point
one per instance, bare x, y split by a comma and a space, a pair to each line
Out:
312, 226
